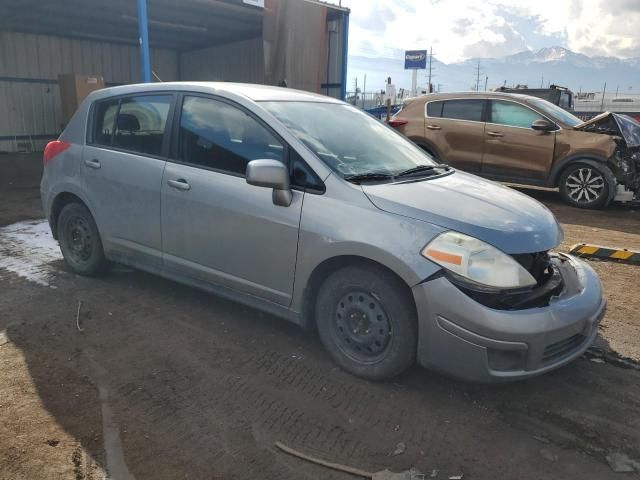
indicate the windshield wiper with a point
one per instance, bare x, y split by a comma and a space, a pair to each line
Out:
363, 177
421, 169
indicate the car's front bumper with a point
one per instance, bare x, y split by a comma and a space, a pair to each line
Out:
463, 338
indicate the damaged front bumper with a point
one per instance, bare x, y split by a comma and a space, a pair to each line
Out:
464, 338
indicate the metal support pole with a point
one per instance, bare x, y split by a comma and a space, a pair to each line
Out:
414, 82
143, 37
345, 53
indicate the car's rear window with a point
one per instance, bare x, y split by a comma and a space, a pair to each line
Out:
470, 110
434, 109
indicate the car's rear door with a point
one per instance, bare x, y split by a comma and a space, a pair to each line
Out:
122, 168
456, 128
216, 228
513, 149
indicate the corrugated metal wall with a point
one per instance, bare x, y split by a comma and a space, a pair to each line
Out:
232, 62
30, 110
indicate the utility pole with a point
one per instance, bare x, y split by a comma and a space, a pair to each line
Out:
364, 90
486, 80
542, 82
388, 99
604, 89
617, 88
478, 77
355, 92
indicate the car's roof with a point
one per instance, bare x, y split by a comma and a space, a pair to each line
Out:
455, 95
255, 92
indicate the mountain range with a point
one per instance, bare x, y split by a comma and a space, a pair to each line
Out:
555, 65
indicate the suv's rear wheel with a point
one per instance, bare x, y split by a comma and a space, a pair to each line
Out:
366, 320
80, 241
587, 185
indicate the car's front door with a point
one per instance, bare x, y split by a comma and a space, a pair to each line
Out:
216, 228
513, 149
122, 168
456, 129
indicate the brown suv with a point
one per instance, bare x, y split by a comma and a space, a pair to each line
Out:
527, 140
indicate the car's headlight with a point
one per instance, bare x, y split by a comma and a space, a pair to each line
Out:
477, 261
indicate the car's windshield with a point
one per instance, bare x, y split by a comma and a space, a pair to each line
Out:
555, 112
348, 140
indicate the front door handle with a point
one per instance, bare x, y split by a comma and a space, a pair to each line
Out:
495, 134
434, 127
93, 163
180, 184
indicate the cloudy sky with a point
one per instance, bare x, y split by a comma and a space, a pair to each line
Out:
461, 29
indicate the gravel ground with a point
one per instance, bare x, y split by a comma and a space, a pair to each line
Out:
159, 381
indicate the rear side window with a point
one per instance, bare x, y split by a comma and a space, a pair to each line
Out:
105, 118
512, 114
214, 134
434, 109
470, 110
141, 123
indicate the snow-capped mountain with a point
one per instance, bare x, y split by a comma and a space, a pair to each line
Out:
556, 64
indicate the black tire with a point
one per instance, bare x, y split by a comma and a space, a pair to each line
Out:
587, 185
367, 322
80, 241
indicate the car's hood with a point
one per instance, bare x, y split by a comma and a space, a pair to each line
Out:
614, 124
500, 216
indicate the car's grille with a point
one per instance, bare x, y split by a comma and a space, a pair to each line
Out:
562, 348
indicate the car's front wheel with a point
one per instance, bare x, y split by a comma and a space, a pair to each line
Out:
80, 240
366, 320
587, 185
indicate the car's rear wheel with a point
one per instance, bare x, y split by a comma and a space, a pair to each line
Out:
80, 240
587, 185
367, 322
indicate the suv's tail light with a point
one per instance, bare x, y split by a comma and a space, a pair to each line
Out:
53, 149
397, 122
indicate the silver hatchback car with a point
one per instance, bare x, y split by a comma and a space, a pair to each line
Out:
305, 207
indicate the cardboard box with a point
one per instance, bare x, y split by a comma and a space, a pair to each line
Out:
74, 89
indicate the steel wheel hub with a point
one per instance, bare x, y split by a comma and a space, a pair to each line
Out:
362, 327
585, 185
79, 239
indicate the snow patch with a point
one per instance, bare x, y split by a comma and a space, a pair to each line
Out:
27, 249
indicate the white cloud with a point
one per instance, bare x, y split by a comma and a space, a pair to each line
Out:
466, 28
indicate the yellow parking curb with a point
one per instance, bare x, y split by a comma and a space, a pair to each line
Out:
605, 253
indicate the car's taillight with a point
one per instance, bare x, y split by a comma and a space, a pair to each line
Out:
397, 122
53, 149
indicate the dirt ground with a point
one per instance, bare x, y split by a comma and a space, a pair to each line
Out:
159, 381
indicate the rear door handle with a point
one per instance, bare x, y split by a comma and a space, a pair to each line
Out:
434, 127
495, 134
93, 163
180, 184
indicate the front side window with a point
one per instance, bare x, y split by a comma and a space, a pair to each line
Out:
214, 134
512, 114
141, 123
470, 110
555, 112
104, 123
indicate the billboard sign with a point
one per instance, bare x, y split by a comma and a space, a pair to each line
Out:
415, 60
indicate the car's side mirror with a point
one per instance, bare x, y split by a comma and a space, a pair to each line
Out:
543, 125
271, 174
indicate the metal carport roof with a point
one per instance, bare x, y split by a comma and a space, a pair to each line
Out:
179, 25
